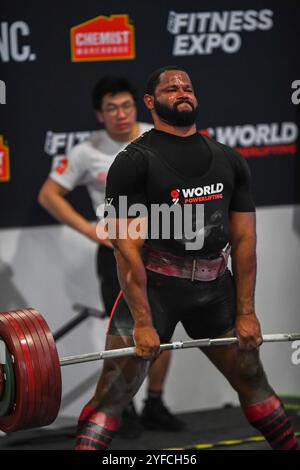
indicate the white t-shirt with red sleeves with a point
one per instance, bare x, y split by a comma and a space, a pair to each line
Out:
88, 163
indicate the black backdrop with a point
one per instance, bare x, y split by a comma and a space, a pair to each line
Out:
245, 93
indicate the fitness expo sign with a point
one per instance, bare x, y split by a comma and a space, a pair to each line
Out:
59, 143
203, 32
103, 38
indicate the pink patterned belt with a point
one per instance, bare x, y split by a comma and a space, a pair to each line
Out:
195, 269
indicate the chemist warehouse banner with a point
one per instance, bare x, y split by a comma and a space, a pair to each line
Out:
243, 58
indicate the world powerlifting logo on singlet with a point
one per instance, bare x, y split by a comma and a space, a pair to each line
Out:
181, 221
198, 194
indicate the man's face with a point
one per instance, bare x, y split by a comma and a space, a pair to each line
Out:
118, 113
174, 99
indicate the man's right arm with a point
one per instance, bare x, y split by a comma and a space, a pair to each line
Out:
133, 281
52, 198
126, 178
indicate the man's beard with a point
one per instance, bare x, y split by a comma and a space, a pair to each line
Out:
175, 117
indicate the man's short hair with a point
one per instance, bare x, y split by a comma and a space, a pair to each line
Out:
111, 85
153, 79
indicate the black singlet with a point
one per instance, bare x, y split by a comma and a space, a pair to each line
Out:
161, 168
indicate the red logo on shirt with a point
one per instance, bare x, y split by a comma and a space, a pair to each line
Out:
175, 195
62, 166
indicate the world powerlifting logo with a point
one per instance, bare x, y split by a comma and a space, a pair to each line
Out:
197, 195
203, 32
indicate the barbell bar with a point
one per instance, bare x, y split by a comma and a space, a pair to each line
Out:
197, 343
30, 394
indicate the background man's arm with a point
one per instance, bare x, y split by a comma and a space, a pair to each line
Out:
52, 198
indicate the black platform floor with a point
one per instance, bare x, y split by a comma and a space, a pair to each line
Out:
216, 429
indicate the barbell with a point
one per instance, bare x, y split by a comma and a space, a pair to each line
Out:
30, 375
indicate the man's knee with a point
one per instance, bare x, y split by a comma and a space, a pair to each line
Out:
120, 379
250, 368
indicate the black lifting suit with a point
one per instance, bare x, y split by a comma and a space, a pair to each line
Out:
161, 168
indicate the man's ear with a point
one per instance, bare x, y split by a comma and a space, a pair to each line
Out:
149, 102
99, 116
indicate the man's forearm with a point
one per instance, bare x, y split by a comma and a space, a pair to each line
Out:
244, 270
62, 210
133, 281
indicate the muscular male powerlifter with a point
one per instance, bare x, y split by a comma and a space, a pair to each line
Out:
165, 281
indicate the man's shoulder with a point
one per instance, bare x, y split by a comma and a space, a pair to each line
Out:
137, 148
228, 152
96, 145
80, 151
94, 138
237, 162
99, 140
144, 138
144, 127
134, 153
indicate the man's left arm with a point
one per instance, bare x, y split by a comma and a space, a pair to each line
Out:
242, 233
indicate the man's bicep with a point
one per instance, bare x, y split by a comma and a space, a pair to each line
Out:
241, 225
53, 187
70, 171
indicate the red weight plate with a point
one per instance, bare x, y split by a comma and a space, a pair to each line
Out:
46, 371
56, 392
37, 355
27, 343
20, 353
2, 381
55, 396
